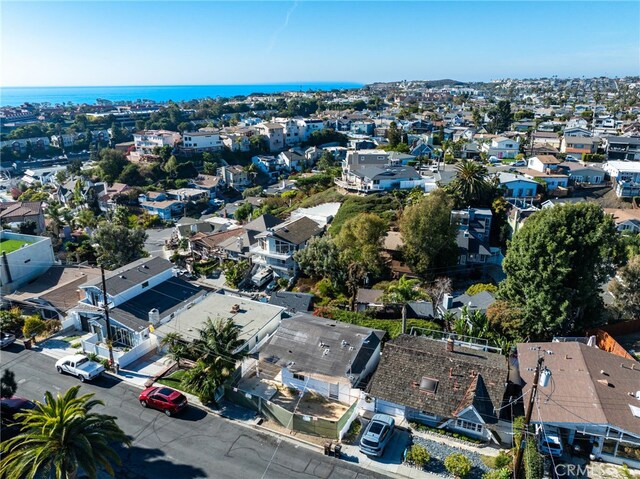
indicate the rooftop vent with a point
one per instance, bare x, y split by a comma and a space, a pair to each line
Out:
325, 352
122, 276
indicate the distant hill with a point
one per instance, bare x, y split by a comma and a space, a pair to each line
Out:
421, 83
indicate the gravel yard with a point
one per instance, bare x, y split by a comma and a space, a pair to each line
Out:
439, 453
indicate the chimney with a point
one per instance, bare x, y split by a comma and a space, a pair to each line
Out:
5, 267
450, 345
154, 316
447, 301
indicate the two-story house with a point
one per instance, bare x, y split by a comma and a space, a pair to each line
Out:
273, 133
517, 187
293, 160
270, 165
372, 178
140, 295
502, 147
474, 229
625, 176
579, 145
145, 141
234, 176
275, 246
622, 148
205, 139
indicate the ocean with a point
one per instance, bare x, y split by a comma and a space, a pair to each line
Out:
15, 96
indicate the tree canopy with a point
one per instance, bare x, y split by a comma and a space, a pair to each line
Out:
361, 239
556, 265
428, 235
118, 245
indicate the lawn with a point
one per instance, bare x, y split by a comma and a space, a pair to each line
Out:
10, 245
174, 379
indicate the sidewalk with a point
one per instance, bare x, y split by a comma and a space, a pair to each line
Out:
59, 345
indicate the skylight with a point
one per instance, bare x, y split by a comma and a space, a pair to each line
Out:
428, 385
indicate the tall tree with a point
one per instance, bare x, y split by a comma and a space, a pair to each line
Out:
626, 289
118, 245
428, 235
206, 378
111, 164
501, 117
321, 259
555, 266
362, 236
61, 436
393, 134
8, 385
470, 184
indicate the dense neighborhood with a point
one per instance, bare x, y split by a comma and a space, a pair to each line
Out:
420, 277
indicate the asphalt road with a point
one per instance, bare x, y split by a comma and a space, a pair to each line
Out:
193, 444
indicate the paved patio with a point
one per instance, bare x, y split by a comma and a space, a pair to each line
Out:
140, 371
59, 346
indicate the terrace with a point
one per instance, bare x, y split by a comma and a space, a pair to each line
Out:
10, 245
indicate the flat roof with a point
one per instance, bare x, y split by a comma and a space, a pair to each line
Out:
251, 317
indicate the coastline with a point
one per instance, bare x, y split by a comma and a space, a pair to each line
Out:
16, 96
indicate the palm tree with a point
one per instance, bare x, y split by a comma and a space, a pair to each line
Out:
205, 378
178, 348
61, 437
220, 339
470, 182
401, 292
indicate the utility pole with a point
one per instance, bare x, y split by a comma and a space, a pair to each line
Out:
527, 419
106, 315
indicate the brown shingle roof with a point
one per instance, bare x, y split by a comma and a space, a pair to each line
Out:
589, 386
465, 376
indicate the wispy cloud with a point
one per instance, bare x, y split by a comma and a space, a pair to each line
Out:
276, 34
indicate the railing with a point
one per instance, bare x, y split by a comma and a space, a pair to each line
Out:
458, 339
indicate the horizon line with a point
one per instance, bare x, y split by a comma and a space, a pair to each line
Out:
288, 83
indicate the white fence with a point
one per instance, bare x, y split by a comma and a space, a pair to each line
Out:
122, 358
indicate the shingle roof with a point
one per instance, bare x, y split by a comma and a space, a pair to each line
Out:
263, 223
20, 209
131, 274
465, 376
294, 302
295, 345
590, 386
295, 232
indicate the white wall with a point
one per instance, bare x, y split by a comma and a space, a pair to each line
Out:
346, 394
27, 263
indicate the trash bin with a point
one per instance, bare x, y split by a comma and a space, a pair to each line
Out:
337, 450
327, 448
27, 343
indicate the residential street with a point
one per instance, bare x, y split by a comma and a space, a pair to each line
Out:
191, 445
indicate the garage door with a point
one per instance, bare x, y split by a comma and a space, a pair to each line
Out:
389, 408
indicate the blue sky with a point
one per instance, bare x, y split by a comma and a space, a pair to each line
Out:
162, 43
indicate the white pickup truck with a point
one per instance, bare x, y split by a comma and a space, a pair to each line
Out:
79, 366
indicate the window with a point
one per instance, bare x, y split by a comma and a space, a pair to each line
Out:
469, 426
298, 377
145, 284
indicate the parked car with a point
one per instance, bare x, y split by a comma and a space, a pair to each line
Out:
433, 168
377, 435
9, 407
519, 163
6, 339
80, 366
550, 442
271, 286
494, 160
164, 399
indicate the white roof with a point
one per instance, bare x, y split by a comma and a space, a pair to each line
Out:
630, 166
509, 177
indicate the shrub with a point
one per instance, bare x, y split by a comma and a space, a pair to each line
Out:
77, 344
458, 464
52, 326
418, 455
480, 287
33, 326
353, 432
503, 473
533, 465
503, 460
11, 321
325, 288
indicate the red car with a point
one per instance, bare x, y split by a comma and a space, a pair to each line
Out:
165, 399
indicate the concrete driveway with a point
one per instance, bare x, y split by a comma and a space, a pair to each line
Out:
391, 459
155, 243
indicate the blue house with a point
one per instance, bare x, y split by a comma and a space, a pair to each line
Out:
517, 186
